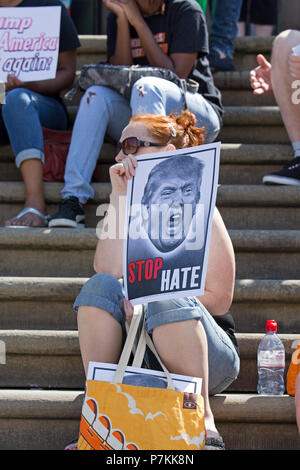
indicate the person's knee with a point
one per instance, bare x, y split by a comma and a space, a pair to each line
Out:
147, 85
284, 42
98, 96
16, 101
103, 285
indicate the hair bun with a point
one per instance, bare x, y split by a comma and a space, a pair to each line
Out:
186, 119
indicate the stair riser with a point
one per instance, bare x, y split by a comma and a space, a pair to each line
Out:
234, 97
258, 436
260, 218
38, 315
229, 174
55, 434
69, 263
254, 134
249, 317
62, 370
66, 372
244, 61
248, 217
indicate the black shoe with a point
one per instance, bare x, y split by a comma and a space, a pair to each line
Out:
290, 174
70, 214
218, 64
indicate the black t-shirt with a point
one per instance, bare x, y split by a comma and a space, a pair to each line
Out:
181, 29
68, 34
226, 322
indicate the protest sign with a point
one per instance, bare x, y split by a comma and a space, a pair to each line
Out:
29, 42
170, 205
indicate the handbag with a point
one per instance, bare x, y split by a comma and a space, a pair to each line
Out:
121, 78
121, 416
56, 148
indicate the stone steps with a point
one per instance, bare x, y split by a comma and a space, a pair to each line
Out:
247, 124
48, 419
260, 254
243, 206
240, 163
45, 303
50, 359
42, 270
236, 90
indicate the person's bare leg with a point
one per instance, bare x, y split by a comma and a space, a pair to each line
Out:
100, 336
32, 173
263, 30
282, 81
241, 28
182, 347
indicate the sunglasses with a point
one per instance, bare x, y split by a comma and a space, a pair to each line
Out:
132, 144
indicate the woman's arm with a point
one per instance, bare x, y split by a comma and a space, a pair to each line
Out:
109, 251
66, 67
220, 276
122, 53
129, 14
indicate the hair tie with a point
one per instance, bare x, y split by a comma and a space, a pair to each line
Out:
173, 130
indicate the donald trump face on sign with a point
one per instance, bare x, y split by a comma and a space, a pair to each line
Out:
170, 198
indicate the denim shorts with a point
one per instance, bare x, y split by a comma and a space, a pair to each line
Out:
105, 291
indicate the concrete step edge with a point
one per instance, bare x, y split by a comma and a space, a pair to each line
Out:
230, 195
64, 289
56, 343
75, 239
97, 43
55, 404
37, 288
235, 115
230, 154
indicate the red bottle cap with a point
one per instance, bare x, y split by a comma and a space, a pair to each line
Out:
271, 325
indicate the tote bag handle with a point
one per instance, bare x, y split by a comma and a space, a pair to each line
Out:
140, 350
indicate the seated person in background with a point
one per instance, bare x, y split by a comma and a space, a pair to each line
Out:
282, 77
31, 105
262, 14
198, 340
169, 34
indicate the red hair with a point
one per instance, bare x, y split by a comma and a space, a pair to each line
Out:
179, 131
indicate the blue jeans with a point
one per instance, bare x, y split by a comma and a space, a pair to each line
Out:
23, 114
104, 291
224, 26
103, 110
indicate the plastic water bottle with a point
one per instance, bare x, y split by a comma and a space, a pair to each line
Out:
271, 362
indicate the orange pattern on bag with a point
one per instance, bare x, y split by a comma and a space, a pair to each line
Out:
128, 417
293, 371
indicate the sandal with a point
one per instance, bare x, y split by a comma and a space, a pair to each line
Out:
214, 443
31, 210
73, 445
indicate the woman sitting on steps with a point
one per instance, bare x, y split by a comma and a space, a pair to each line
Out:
200, 342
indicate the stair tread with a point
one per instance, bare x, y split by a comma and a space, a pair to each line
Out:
63, 288
236, 194
231, 409
230, 153
65, 342
95, 43
66, 404
64, 238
